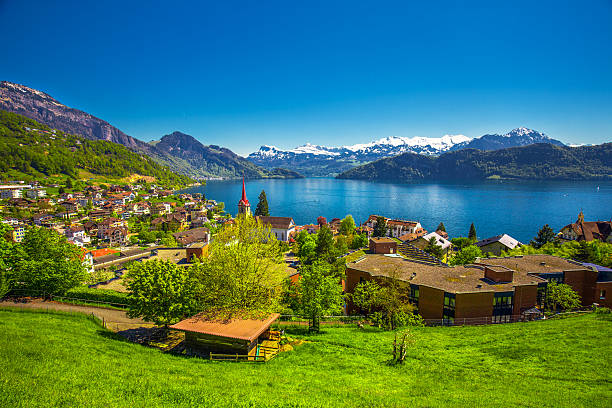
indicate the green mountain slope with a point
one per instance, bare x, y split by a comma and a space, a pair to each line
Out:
534, 162
31, 149
186, 155
180, 152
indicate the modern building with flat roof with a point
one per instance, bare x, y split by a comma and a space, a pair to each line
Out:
490, 290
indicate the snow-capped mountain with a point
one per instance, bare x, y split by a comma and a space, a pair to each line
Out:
517, 137
316, 160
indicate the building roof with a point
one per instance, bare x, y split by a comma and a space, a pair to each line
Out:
589, 230
457, 279
441, 233
103, 252
243, 329
534, 263
393, 222
277, 222
191, 236
444, 243
383, 240
598, 268
503, 239
244, 200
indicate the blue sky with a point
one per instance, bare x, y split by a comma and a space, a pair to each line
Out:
242, 74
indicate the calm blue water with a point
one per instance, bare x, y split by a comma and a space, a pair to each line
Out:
515, 208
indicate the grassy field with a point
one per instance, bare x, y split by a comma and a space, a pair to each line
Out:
68, 360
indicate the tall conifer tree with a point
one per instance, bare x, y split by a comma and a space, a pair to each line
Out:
262, 205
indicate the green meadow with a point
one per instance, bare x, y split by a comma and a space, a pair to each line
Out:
62, 360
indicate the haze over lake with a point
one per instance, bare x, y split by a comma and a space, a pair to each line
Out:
512, 207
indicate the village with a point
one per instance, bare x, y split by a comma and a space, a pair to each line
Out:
442, 280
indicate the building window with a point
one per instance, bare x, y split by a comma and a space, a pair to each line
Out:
414, 294
448, 313
503, 304
602, 294
541, 299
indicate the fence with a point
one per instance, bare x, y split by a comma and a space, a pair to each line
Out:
237, 357
64, 299
477, 321
294, 320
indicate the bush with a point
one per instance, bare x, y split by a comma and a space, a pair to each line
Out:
98, 295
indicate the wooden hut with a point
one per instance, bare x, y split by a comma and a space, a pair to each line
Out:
247, 339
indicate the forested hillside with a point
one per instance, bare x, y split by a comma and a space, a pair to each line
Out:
32, 149
534, 162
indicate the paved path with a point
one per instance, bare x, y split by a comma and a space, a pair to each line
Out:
114, 319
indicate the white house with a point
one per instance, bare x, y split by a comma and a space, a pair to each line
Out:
282, 227
396, 228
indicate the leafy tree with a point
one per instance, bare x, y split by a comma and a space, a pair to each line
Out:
169, 241
347, 225
48, 263
545, 235
433, 248
359, 241
387, 305
595, 251
341, 246
325, 243
262, 205
321, 220
441, 227
380, 229
560, 295
7, 260
461, 242
466, 256
307, 245
161, 291
244, 271
472, 233
364, 296
319, 293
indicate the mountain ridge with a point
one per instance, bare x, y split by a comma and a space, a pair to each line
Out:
540, 161
203, 162
317, 160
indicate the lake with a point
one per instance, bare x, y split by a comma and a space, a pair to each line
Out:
516, 208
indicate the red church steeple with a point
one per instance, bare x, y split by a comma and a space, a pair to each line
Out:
244, 207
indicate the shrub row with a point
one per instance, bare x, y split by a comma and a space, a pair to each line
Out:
98, 295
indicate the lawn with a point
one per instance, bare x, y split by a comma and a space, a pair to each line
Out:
68, 360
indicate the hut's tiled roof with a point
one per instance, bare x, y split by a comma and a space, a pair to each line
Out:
243, 329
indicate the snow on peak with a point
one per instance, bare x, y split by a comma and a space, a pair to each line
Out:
523, 131
314, 149
439, 143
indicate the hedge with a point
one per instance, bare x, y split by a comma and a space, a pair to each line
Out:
98, 295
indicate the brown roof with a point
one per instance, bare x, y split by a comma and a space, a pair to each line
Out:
277, 222
457, 279
533, 263
382, 240
193, 235
590, 230
243, 329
